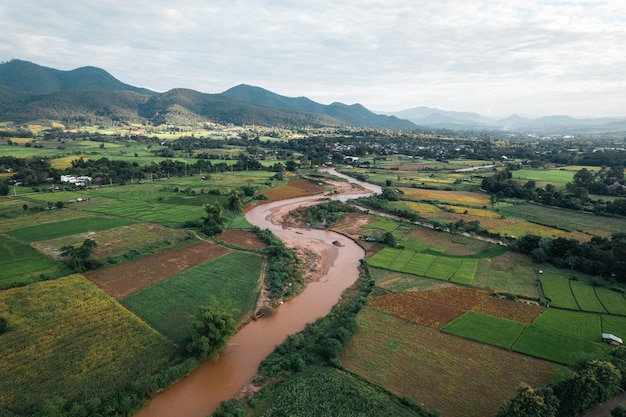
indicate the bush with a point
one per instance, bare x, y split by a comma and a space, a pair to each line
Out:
3, 325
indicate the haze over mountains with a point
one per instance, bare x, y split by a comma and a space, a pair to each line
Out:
91, 95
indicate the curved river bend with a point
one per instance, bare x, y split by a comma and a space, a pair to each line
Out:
199, 394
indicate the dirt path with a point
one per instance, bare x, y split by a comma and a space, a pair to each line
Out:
604, 410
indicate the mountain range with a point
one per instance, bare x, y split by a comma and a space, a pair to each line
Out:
90, 95
436, 118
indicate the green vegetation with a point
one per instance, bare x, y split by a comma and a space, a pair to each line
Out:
210, 331
169, 306
447, 268
329, 392
485, 329
67, 227
21, 263
63, 337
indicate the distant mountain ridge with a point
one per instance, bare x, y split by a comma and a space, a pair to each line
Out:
91, 95
442, 119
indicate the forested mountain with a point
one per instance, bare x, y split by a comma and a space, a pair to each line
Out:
91, 95
31, 78
354, 115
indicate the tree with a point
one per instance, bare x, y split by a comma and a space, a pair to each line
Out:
79, 257
619, 411
230, 408
210, 330
595, 382
234, 201
213, 222
389, 239
530, 403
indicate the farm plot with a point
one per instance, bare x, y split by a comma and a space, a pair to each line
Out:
586, 297
613, 301
20, 262
614, 325
170, 214
383, 224
121, 280
558, 177
118, 240
444, 268
510, 272
66, 228
460, 377
293, 188
241, 239
432, 308
554, 346
330, 392
582, 325
400, 282
557, 289
170, 306
67, 338
451, 197
566, 219
485, 329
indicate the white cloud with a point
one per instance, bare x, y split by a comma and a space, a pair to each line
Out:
515, 56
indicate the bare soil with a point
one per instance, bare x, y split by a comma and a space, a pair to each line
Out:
242, 239
122, 280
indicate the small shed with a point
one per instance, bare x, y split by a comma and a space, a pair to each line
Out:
611, 339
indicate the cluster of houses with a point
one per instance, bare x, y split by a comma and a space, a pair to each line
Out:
81, 181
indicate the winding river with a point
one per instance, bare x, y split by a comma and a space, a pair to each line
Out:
214, 381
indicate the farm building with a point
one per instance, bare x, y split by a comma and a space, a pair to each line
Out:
611, 339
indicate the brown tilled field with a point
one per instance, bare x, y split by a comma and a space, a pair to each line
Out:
294, 188
121, 280
457, 376
437, 307
242, 239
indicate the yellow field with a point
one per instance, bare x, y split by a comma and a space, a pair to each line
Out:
67, 338
418, 207
64, 162
454, 197
475, 212
21, 141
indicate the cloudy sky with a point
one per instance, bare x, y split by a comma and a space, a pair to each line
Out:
492, 57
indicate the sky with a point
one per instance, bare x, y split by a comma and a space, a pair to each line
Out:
492, 57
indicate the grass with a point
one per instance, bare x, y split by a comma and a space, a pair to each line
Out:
170, 305
485, 329
67, 338
20, 263
586, 297
557, 289
582, 325
557, 177
613, 301
556, 347
614, 325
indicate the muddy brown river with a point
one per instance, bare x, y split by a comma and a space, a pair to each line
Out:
214, 381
